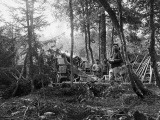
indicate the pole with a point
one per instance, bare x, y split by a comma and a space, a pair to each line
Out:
72, 39
99, 37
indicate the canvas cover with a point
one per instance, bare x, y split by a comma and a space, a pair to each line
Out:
63, 69
61, 61
87, 65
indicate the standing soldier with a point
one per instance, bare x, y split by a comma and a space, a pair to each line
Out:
97, 68
116, 62
105, 69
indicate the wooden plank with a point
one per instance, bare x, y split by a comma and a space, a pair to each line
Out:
145, 70
151, 73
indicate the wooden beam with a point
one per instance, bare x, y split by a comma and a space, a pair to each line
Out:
145, 69
151, 73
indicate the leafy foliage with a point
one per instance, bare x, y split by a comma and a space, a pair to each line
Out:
7, 51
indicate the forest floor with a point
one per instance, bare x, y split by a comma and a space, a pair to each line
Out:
57, 103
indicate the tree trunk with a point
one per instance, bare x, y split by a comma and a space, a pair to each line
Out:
25, 65
89, 42
137, 85
134, 86
112, 40
152, 50
103, 36
121, 33
86, 43
72, 39
30, 45
88, 31
133, 76
135, 81
111, 13
21, 74
85, 30
99, 37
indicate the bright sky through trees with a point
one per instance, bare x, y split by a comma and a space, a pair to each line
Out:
54, 29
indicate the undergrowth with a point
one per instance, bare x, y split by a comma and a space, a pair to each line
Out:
74, 103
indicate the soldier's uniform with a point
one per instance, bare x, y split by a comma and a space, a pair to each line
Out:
116, 62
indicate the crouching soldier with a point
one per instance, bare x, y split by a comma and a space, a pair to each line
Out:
115, 62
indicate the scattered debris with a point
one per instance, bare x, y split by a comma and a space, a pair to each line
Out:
80, 103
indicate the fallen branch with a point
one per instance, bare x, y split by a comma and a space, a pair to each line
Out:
18, 79
25, 112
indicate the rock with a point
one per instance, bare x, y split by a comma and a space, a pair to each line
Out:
123, 118
42, 117
110, 112
49, 114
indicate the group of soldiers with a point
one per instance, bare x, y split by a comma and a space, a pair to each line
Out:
111, 67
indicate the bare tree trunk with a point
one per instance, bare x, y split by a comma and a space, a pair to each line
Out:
141, 88
32, 12
99, 37
85, 29
88, 31
20, 76
112, 40
86, 43
122, 38
72, 39
111, 13
152, 50
135, 81
30, 46
25, 65
103, 36
89, 42
137, 85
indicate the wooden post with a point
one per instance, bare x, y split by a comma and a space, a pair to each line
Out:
99, 32
72, 40
151, 73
